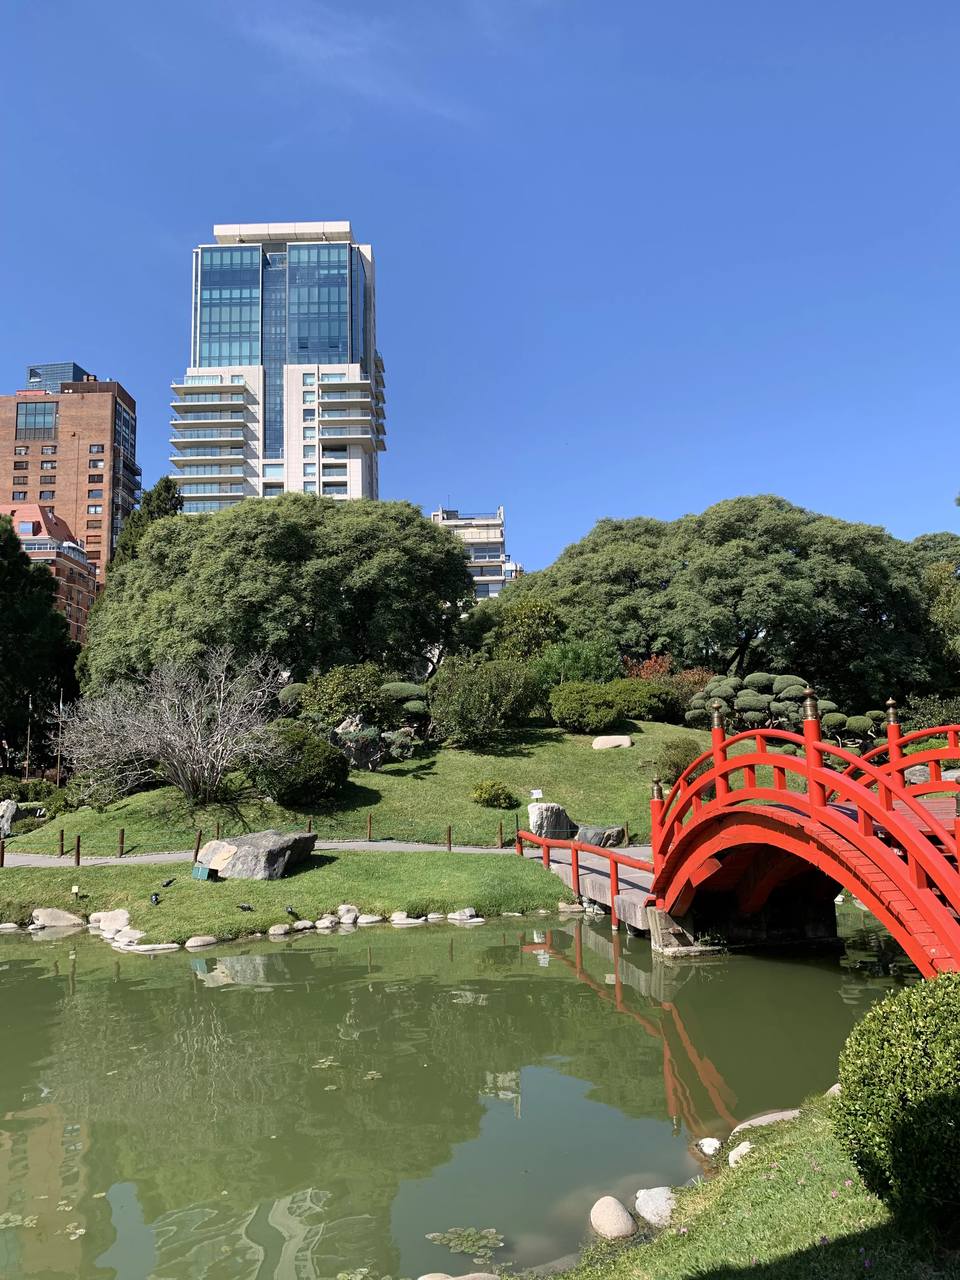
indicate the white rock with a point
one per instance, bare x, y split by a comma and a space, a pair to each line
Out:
769, 1117
655, 1205
278, 931
434, 916
349, 917
409, 923
200, 940
127, 935
9, 927
369, 919
300, 926
347, 909
54, 918
543, 912
398, 917
832, 1092
435, 1275
610, 740
709, 1146
328, 922
610, 1219
465, 913
738, 1152
147, 948
517, 915
464, 924
570, 908
110, 922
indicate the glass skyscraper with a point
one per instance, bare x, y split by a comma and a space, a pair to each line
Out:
285, 387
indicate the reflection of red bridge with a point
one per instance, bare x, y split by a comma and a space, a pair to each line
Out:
750, 837
685, 1072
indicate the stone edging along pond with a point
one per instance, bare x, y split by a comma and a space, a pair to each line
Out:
114, 926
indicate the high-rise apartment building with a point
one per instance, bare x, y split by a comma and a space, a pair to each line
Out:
485, 538
71, 447
49, 540
285, 387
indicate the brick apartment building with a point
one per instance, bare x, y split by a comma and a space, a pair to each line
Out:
49, 540
68, 443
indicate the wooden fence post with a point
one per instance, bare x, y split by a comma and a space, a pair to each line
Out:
197, 843
626, 833
500, 834
76, 852
120, 840
60, 850
310, 826
217, 837
369, 826
2, 851
449, 839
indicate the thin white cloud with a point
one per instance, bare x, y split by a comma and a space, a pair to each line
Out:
367, 55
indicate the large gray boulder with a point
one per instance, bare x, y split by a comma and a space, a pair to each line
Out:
54, 918
8, 812
550, 821
655, 1205
602, 837
262, 855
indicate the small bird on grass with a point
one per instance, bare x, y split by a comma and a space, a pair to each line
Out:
167, 883
290, 912
244, 906
155, 899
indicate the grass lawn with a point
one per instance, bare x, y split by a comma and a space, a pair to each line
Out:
413, 801
793, 1209
378, 883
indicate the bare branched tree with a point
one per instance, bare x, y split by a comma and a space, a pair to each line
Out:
189, 726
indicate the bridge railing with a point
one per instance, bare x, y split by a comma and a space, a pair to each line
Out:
901, 751
852, 795
616, 859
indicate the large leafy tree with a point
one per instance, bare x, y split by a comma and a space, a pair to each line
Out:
164, 499
758, 584
36, 653
306, 581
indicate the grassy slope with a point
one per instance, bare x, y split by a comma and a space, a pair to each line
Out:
413, 801
378, 883
794, 1209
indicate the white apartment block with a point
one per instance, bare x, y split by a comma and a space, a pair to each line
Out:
285, 389
485, 539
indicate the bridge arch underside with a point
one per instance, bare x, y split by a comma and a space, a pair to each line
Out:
767, 877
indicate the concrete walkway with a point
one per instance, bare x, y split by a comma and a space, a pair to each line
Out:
14, 859
595, 879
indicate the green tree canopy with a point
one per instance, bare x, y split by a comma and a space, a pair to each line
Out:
36, 653
307, 581
164, 499
756, 583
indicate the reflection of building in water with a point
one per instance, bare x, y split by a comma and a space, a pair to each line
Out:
41, 1176
504, 1085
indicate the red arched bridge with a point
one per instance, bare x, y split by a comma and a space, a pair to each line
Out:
753, 841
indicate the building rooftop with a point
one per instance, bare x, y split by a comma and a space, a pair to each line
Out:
264, 232
44, 521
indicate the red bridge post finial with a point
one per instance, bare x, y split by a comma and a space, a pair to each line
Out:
814, 753
718, 735
656, 822
894, 750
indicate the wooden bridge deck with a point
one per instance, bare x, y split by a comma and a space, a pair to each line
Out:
595, 880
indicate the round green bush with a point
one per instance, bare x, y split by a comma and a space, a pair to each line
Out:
825, 706
583, 707
291, 696
793, 693
859, 725
646, 700
696, 718
898, 1113
305, 768
751, 700
877, 717
759, 680
403, 690
782, 683
494, 795
415, 707
834, 721
23, 826
675, 756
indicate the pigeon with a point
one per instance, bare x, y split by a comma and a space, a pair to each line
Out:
155, 899
244, 906
290, 912
167, 883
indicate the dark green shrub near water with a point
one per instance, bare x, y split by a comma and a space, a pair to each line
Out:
583, 707
306, 768
898, 1113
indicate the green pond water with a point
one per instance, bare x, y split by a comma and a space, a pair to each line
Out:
320, 1106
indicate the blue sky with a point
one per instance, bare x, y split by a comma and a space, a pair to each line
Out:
632, 257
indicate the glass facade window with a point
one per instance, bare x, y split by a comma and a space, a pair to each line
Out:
309, 468
317, 303
47, 495
273, 471
94, 493
96, 448
94, 510
309, 415
213, 469
309, 433
333, 377
36, 420
309, 397
237, 379
46, 466
21, 449
211, 487
96, 464
335, 490
309, 486
21, 466
358, 309
335, 451
335, 469
309, 450
228, 309
18, 495
309, 379
274, 348
47, 449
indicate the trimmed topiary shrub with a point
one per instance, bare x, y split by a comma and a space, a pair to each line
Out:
751, 700
833, 722
291, 696
898, 1113
782, 683
494, 795
647, 700
582, 707
759, 680
675, 756
877, 717
859, 726
352, 689
415, 707
305, 770
473, 703
402, 690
